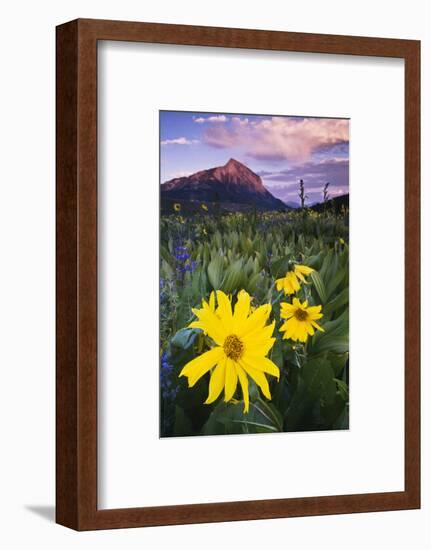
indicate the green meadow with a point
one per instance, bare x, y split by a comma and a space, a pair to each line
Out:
204, 250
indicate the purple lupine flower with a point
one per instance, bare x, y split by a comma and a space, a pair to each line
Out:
169, 391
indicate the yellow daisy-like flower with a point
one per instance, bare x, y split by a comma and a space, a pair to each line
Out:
242, 340
204, 207
291, 282
301, 320
177, 207
206, 306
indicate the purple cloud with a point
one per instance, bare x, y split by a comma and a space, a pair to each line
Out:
284, 183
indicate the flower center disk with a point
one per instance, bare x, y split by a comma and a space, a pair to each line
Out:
301, 315
233, 347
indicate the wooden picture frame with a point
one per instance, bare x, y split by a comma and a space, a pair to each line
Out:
76, 375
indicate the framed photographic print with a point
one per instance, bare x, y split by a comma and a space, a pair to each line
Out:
238, 282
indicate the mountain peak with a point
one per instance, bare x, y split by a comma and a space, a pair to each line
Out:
233, 182
233, 162
233, 165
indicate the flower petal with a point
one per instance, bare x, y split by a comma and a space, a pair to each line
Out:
303, 269
286, 310
212, 301
262, 363
199, 366
210, 323
315, 325
224, 311
256, 320
244, 386
231, 380
217, 381
261, 348
242, 309
259, 335
258, 377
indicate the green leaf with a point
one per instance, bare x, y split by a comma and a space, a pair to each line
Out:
164, 253
326, 265
184, 338
270, 411
314, 261
335, 337
280, 267
252, 283
315, 389
267, 427
166, 270
319, 285
339, 301
215, 272
319, 379
262, 417
335, 281
233, 277
277, 352
337, 345
342, 389
338, 362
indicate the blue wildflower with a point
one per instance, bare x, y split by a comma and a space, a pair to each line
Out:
169, 392
181, 254
183, 260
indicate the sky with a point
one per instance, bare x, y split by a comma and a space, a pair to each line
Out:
280, 149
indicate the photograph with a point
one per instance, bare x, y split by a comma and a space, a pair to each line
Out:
254, 273
215, 227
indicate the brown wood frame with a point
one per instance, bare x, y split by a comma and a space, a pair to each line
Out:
76, 374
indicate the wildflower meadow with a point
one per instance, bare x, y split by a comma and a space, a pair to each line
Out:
254, 321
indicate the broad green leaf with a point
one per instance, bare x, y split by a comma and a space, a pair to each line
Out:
215, 272
335, 281
335, 344
319, 379
233, 278
280, 267
319, 285
338, 302
184, 338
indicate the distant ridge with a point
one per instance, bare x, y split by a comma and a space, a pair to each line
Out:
334, 204
227, 186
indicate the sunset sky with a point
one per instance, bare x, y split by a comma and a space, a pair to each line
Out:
281, 149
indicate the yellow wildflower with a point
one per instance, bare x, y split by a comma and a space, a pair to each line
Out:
290, 282
301, 320
242, 341
177, 207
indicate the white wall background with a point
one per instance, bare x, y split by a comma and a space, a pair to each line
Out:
27, 275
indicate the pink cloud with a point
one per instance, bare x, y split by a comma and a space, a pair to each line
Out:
279, 138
